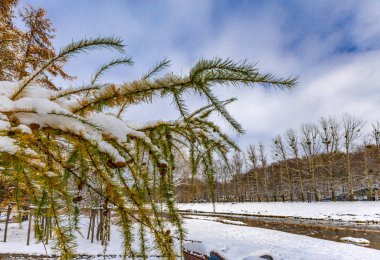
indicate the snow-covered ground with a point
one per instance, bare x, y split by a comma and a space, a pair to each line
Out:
239, 242
347, 211
235, 242
17, 238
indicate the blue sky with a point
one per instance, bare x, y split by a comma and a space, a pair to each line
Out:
333, 46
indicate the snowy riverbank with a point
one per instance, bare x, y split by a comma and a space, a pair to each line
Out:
240, 242
346, 211
235, 242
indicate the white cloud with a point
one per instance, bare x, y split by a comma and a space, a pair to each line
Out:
331, 45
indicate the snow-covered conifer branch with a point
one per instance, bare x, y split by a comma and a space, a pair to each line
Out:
64, 144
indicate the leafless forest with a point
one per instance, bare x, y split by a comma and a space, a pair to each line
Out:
333, 159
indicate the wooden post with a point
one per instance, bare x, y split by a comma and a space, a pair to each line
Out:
47, 231
97, 226
98, 213
35, 226
93, 226
6, 222
101, 225
42, 227
89, 224
109, 224
29, 227
51, 227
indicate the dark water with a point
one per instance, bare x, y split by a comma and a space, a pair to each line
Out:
328, 230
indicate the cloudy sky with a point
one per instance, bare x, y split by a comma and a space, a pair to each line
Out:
333, 46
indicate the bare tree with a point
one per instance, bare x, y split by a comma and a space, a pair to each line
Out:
281, 154
221, 180
293, 143
330, 139
237, 164
263, 161
253, 158
351, 132
311, 146
366, 146
376, 136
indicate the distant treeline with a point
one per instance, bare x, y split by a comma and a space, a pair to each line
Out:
330, 160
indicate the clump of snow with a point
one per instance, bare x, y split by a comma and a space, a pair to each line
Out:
4, 122
7, 88
8, 145
37, 91
233, 222
225, 221
355, 240
37, 163
197, 248
114, 126
260, 255
51, 174
30, 152
24, 129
